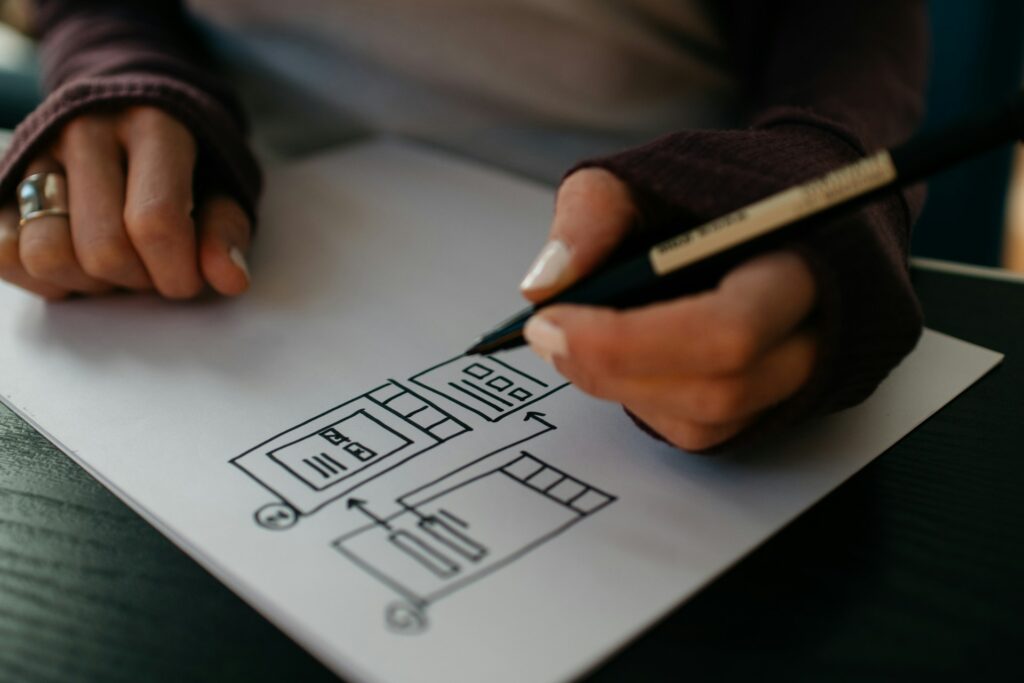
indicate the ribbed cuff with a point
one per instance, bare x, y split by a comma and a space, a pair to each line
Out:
224, 160
867, 316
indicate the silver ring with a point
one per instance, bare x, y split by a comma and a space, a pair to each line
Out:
42, 194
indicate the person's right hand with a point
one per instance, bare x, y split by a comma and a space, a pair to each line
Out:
131, 223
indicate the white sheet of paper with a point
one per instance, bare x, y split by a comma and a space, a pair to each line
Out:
477, 521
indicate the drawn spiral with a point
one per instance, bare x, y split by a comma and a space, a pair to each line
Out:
404, 618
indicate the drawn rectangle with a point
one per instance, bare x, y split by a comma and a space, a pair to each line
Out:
490, 387
545, 478
332, 454
427, 417
524, 467
566, 490
426, 555
590, 501
503, 515
457, 540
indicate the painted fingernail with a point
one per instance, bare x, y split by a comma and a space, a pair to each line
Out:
548, 267
546, 338
238, 258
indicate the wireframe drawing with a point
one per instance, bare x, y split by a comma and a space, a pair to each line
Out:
332, 454
464, 526
485, 385
493, 506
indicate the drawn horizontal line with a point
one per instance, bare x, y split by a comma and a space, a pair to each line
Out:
455, 386
486, 393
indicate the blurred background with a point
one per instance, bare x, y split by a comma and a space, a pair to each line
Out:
974, 214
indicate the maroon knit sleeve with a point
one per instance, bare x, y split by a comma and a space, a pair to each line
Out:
826, 82
97, 53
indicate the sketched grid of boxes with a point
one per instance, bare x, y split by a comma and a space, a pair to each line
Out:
332, 454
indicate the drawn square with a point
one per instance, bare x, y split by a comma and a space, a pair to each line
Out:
499, 383
520, 394
359, 451
466, 383
426, 416
406, 403
544, 479
337, 451
447, 429
566, 490
477, 370
524, 468
333, 436
590, 501
385, 393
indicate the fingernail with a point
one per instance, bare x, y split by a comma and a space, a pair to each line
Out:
546, 338
238, 258
548, 267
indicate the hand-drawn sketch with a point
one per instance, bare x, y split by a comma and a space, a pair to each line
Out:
332, 454
485, 385
462, 527
446, 533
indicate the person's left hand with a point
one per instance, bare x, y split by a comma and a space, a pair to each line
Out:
698, 369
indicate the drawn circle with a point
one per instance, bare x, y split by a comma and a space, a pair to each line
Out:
404, 618
276, 516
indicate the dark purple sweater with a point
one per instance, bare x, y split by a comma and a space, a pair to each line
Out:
825, 82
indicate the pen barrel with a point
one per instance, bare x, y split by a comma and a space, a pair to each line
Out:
929, 153
635, 282
612, 287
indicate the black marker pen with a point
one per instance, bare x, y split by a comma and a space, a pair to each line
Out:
710, 248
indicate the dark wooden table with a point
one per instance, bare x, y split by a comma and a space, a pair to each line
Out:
914, 569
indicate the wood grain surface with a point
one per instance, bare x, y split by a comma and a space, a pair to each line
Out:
911, 571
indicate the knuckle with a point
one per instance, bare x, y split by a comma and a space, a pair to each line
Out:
106, 259
43, 262
735, 346
157, 224
600, 347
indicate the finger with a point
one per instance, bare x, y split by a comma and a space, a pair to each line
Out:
158, 201
593, 211
689, 436
93, 159
11, 269
46, 251
224, 230
718, 332
778, 375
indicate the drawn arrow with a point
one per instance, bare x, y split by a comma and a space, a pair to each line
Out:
361, 505
538, 416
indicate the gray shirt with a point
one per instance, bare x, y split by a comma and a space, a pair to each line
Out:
530, 85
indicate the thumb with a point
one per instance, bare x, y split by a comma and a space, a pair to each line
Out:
224, 230
593, 212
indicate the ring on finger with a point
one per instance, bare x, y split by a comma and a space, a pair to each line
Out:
42, 194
